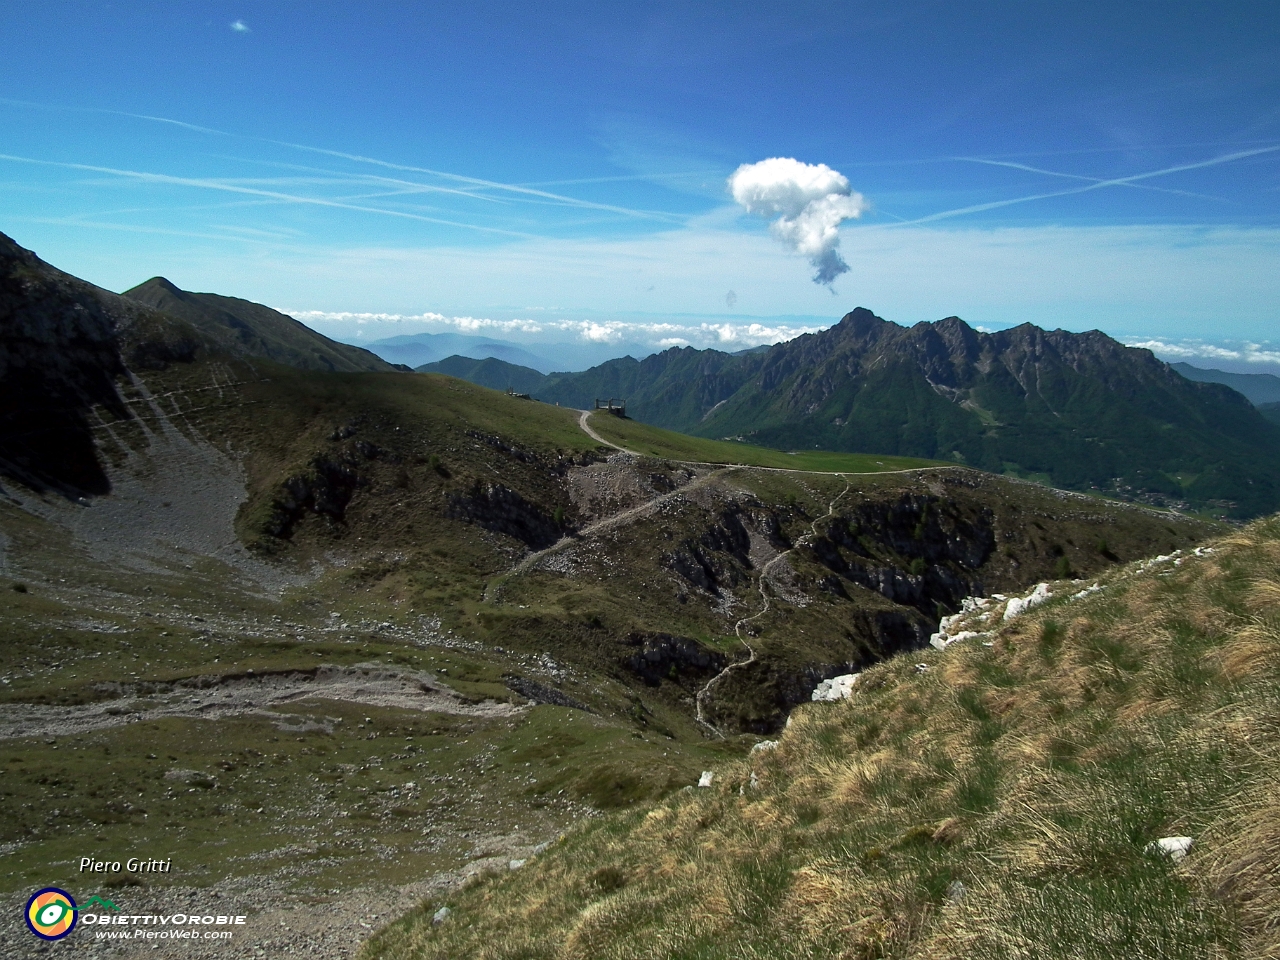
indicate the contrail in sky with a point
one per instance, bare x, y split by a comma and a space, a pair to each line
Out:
492, 184
356, 158
162, 178
1077, 176
1098, 185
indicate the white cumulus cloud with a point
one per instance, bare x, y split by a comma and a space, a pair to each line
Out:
1251, 353
806, 202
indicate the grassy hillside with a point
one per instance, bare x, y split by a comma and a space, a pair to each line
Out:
656, 442
994, 799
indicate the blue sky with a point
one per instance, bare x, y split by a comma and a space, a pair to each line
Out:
543, 171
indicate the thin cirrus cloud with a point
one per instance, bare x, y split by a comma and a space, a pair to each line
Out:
473, 187
239, 26
527, 192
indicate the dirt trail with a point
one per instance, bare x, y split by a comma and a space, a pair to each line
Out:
216, 698
700, 699
584, 423
493, 591
587, 429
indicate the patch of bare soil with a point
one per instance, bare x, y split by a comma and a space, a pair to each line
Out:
620, 483
214, 698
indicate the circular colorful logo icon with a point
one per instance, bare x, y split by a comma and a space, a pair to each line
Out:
51, 913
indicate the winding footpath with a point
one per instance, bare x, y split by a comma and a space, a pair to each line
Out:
700, 699
493, 590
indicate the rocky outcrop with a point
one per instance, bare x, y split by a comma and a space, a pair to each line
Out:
662, 656
920, 551
325, 490
719, 557
536, 692
503, 510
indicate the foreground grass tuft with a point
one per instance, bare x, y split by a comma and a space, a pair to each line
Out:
997, 803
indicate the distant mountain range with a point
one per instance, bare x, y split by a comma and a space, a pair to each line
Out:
1261, 389
490, 372
251, 329
1078, 410
422, 348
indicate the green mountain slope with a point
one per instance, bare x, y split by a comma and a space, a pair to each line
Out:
251, 329
1080, 411
320, 635
490, 372
674, 389
1004, 797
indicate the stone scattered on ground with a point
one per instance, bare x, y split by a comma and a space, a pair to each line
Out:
837, 688
1175, 848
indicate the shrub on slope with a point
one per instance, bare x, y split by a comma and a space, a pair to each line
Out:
981, 801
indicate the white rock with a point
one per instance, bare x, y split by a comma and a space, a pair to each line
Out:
764, 745
837, 688
1020, 605
1175, 848
940, 641
516, 864
440, 916
956, 891
706, 778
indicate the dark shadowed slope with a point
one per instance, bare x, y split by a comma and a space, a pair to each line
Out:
250, 328
63, 343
